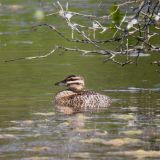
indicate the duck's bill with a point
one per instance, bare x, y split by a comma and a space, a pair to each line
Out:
61, 83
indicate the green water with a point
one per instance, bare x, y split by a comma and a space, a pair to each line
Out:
29, 126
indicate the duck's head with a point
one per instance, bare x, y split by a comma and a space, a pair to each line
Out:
73, 82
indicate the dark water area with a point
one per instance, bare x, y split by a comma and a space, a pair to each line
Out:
31, 129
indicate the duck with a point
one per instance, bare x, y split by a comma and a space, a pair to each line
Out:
77, 99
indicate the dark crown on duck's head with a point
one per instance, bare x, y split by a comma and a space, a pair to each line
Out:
73, 82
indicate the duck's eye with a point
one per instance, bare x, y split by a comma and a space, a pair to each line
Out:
69, 79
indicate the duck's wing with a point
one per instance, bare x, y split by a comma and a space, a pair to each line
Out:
88, 101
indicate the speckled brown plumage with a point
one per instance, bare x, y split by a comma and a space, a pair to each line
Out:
79, 100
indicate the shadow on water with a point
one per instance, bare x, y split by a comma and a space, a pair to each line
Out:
31, 129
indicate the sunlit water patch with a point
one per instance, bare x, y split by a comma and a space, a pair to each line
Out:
49, 135
134, 90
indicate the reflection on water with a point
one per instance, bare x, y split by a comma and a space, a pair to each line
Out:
125, 130
31, 129
134, 90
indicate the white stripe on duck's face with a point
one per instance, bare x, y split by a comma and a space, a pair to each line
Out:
80, 82
75, 83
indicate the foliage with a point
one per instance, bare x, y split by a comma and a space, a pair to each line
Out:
116, 14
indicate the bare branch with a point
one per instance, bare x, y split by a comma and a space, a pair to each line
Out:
132, 36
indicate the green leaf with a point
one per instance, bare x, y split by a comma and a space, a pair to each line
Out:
115, 13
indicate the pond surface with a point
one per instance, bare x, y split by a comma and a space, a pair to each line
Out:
30, 128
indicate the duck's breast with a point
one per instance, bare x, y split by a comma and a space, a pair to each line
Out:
62, 98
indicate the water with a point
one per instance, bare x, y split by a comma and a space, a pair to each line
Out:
30, 129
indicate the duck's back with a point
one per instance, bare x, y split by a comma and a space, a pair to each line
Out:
82, 101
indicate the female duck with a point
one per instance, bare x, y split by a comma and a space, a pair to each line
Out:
76, 99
